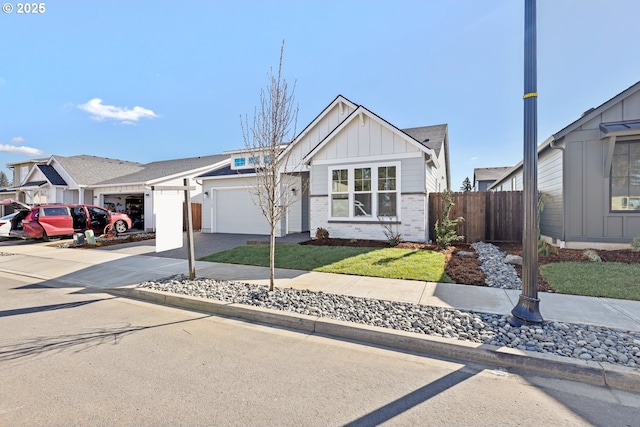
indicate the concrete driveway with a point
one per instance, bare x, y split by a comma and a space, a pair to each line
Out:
203, 244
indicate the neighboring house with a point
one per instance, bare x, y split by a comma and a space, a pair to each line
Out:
483, 178
354, 170
589, 174
6, 193
119, 185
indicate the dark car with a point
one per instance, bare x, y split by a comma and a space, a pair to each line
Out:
45, 221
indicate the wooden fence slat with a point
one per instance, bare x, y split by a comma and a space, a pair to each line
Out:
488, 216
196, 216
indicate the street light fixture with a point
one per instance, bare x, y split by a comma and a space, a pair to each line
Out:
527, 310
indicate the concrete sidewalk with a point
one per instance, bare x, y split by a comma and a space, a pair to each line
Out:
117, 268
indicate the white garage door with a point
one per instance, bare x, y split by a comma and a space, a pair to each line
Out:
235, 212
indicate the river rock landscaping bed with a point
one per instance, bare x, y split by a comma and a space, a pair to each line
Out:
478, 264
565, 339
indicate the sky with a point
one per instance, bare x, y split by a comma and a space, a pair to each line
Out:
156, 80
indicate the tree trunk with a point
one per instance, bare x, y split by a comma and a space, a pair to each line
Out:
272, 259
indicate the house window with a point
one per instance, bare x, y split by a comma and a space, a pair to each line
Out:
387, 200
365, 193
340, 193
362, 205
239, 161
251, 160
625, 177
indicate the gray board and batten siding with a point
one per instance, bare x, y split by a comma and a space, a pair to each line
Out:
574, 178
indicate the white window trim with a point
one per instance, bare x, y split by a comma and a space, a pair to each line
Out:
374, 192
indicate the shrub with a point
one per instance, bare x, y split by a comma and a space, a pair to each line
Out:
592, 255
322, 233
635, 245
544, 248
393, 236
446, 233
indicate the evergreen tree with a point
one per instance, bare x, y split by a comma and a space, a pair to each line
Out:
4, 181
466, 185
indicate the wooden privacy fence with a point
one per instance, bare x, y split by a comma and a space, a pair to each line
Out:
492, 216
196, 216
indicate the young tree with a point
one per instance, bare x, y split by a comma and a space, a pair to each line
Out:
274, 124
466, 185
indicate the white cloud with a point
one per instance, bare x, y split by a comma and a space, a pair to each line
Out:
123, 115
473, 159
17, 140
27, 151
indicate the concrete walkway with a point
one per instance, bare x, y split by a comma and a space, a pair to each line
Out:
130, 265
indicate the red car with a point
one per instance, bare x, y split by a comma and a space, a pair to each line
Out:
44, 221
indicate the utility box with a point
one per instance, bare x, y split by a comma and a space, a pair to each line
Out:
91, 238
78, 239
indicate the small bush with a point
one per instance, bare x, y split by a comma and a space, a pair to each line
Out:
322, 233
544, 248
394, 237
446, 234
635, 245
592, 255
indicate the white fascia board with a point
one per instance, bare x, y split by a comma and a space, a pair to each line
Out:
73, 184
234, 176
189, 172
339, 100
372, 116
97, 186
547, 143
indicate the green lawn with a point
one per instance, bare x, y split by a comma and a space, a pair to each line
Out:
415, 264
596, 279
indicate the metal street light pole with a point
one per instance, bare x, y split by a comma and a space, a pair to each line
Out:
527, 311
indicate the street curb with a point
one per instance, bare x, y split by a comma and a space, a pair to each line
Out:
590, 372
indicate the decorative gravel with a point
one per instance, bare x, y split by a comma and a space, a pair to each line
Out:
565, 339
498, 274
122, 238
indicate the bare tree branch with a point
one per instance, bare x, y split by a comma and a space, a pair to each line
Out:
273, 127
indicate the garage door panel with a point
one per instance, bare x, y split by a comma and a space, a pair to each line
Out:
235, 212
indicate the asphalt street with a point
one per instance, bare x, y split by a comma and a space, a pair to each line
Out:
75, 356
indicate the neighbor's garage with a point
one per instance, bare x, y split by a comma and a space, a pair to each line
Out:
234, 211
131, 204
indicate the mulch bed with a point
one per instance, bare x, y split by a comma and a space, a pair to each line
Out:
465, 269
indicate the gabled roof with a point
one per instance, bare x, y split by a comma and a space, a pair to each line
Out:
362, 110
594, 112
89, 170
52, 175
432, 137
166, 168
489, 174
338, 100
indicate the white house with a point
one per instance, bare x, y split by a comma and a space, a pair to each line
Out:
353, 169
